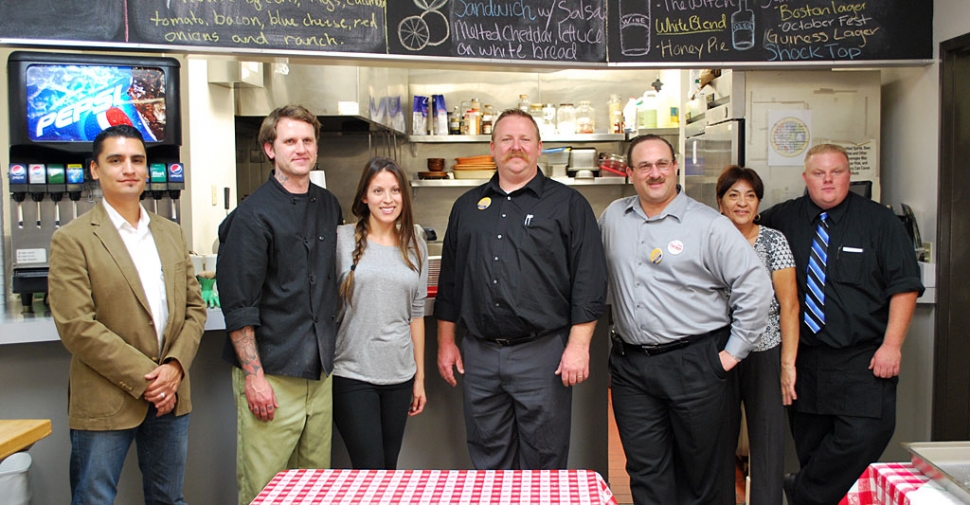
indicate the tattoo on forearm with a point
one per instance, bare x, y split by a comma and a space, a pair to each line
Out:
244, 342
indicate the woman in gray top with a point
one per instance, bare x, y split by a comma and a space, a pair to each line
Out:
382, 262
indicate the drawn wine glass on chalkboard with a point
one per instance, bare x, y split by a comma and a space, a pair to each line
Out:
742, 27
416, 32
634, 27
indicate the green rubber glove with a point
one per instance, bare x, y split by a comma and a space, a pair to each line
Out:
209, 296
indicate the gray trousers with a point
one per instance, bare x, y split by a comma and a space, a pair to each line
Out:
517, 412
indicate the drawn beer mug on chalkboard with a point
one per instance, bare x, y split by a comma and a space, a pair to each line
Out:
415, 32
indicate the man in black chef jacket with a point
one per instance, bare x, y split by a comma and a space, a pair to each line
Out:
522, 271
858, 282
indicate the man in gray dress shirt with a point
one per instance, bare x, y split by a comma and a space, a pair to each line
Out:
690, 299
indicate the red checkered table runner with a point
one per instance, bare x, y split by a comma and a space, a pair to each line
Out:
885, 484
392, 487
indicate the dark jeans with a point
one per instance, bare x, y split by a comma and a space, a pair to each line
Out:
371, 420
97, 458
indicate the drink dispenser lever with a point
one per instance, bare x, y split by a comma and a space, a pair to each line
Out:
56, 186
18, 189
37, 187
75, 185
176, 183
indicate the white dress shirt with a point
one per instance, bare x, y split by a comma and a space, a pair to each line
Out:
144, 254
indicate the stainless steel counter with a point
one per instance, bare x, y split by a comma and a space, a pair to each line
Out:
19, 328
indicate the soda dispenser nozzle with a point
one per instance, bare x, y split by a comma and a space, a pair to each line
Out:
18, 189
157, 183
38, 197
56, 186
75, 185
176, 183
37, 186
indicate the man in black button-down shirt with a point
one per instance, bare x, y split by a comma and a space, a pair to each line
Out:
278, 288
522, 271
845, 413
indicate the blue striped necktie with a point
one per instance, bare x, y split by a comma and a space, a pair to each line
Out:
815, 282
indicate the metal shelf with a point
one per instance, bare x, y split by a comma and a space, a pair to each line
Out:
453, 139
470, 183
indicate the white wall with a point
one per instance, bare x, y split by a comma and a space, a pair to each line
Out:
910, 174
209, 153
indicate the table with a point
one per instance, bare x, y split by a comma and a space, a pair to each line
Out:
897, 484
19, 434
533, 487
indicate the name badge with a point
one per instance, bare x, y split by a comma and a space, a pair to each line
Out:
851, 249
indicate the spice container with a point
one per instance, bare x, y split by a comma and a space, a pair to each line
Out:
566, 119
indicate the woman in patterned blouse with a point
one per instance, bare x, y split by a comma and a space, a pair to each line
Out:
739, 192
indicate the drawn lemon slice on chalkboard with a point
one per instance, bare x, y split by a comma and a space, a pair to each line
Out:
415, 32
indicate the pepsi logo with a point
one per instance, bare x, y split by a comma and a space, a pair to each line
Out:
18, 169
175, 169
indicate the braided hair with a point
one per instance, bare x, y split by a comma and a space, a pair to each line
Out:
407, 238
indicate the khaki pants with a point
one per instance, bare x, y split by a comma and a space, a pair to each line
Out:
299, 435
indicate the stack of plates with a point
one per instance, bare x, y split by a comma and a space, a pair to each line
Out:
474, 167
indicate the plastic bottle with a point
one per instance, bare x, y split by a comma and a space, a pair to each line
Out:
647, 111
615, 114
630, 115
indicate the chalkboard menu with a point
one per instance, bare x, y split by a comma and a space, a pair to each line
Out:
678, 32
541, 30
783, 31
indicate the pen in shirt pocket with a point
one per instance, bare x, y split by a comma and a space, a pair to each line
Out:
528, 219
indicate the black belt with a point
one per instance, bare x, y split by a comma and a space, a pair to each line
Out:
525, 339
655, 349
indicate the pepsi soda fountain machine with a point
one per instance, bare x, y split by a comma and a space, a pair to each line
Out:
58, 104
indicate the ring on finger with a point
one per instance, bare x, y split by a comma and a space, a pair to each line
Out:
162, 395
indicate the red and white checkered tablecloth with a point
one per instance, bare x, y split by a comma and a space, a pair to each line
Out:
392, 487
885, 483
897, 484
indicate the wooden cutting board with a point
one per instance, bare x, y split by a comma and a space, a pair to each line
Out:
19, 434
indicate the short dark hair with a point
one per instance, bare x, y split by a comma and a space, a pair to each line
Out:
519, 113
643, 138
267, 131
732, 174
122, 130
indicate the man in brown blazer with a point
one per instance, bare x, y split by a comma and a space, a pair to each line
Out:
128, 307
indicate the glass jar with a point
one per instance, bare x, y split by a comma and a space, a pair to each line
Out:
566, 119
548, 125
585, 117
523, 102
488, 119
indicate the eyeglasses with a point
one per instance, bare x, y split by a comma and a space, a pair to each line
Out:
664, 165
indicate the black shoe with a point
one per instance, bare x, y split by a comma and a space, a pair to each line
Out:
788, 484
